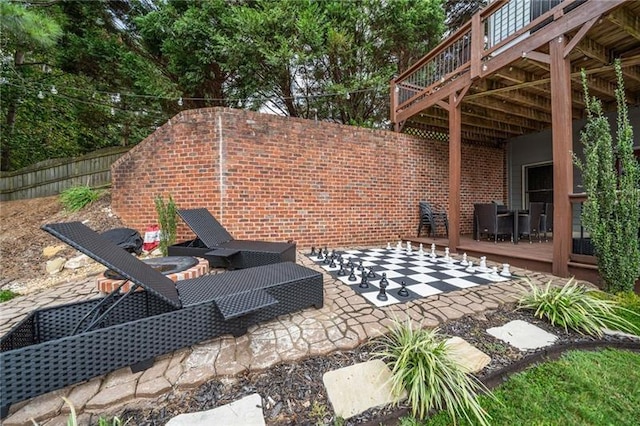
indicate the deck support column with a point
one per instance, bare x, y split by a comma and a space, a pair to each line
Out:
562, 134
455, 168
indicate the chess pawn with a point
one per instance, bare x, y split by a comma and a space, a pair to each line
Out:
383, 281
349, 264
464, 262
446, 254
327, 259
333, 262
403, 290
326, 252
313, 251
494, 272
409, 247
505, 270
420, 250
371, 274
433, 251
399, 246
360, 267
320, 257
363, 282
470, 268
352, 275
342, 272
389, 246
382, 295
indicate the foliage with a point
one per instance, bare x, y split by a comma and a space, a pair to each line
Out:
76, 197
581, 388
167, 217
573, 306
6, 295
628, 307
611, 213
421, 362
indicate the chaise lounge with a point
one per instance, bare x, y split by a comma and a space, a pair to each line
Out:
216, 245
55, 347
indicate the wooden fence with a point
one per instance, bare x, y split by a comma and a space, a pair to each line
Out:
50, 177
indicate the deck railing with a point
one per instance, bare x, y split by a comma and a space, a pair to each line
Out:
490, 32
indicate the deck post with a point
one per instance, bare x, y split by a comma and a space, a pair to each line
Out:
562, 135
455, 168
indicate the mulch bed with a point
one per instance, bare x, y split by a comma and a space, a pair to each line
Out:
293, 393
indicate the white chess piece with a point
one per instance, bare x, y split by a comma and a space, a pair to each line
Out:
470, 268
505, 270
409, 247
388, 246
433, 251
494, 271
399, 246
421, 251
447, 258
464, 260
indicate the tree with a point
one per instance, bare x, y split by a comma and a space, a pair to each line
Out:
611, 176
22, 31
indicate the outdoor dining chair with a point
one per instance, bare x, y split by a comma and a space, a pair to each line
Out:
529, 223
489, 222
546, 220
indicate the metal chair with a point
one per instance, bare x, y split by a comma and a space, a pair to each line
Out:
432, 218
529, 223
488, 221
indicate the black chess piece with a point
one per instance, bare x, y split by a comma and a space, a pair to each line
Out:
352, 275
333, 253
342, 272
383, 282
403, 292
327, 259
371, 274
313, 251
320, 256
382, 295
350, 263
333, 263
326, 252
363, 282
360, 267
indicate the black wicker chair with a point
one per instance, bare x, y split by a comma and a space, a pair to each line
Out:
431, 218
529, 223
488, 221
546, 220
216, 245
55, 347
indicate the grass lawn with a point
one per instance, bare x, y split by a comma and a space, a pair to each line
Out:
580, 388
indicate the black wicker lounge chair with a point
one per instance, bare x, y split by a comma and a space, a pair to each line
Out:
55, 347
216, 245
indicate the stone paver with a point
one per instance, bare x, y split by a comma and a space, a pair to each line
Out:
345, 322
523, 335
468, 356
244, 412
357, 388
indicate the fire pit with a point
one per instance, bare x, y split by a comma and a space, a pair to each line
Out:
175, 267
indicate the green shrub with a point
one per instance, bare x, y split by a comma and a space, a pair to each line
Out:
7, 295
76, 197
167, 217
573, 306
422, 363
628, 307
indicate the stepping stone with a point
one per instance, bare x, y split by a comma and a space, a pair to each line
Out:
468, 356
523, 335
243, 412
354, 389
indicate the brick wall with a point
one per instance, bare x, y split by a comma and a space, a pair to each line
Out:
280, 178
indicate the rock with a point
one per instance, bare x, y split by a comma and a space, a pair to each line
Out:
51, 251
77, 262
55, 265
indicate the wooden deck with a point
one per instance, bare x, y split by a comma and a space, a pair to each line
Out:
535, 256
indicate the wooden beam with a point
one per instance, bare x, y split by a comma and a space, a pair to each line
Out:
579, 35
455, 170
562, 138
537, 56
626, 20
575, 18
